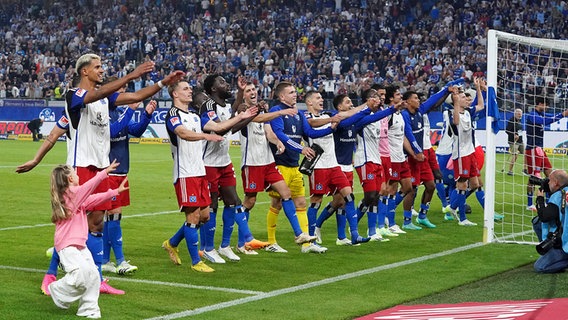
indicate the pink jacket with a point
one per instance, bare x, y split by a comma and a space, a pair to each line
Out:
79, 199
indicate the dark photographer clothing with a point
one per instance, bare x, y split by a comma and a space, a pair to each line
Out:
556, 258
514, 130
34, 127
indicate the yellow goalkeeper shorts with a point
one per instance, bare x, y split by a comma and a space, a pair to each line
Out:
294, 180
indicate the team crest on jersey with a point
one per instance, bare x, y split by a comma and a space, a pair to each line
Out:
175, 121
419, 125
192, 199
99, 116
297, 117
319, 186
80, 92
466, 171
349, 133
211, 114
395, 174
370, 176
294, 129
252, 185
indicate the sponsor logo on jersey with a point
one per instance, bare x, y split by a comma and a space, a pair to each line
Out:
175, 121
64, 122
80, 92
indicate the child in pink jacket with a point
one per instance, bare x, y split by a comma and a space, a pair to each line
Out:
70, 203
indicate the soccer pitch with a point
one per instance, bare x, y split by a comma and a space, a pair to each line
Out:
343, 283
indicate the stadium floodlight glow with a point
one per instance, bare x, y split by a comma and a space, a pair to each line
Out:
520, 70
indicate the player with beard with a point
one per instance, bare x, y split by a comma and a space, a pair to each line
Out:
258, 169
423, 171
367, 160
345, 138
401, 139
87, 109
216, 117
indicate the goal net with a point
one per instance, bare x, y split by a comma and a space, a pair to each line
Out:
521, 71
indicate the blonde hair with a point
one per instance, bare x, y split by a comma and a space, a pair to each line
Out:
280, 88
59, 185
172, 87
85, 60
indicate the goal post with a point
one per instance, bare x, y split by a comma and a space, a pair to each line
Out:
520, 70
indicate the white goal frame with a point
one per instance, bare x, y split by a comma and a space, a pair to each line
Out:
493, 39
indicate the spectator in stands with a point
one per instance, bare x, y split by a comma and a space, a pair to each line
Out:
305, 34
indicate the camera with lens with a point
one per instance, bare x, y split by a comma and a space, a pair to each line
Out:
542, 183
553, 240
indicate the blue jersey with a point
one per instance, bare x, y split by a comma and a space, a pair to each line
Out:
290, 130
345, 137
416, 122
416, 119
535, 122
122, 125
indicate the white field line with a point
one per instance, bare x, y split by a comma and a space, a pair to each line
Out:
311, 285
152, 282
257, 295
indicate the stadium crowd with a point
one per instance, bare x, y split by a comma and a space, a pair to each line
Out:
336, 47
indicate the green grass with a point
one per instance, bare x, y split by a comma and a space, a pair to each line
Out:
343, 283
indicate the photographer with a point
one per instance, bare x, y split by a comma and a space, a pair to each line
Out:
554, 248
